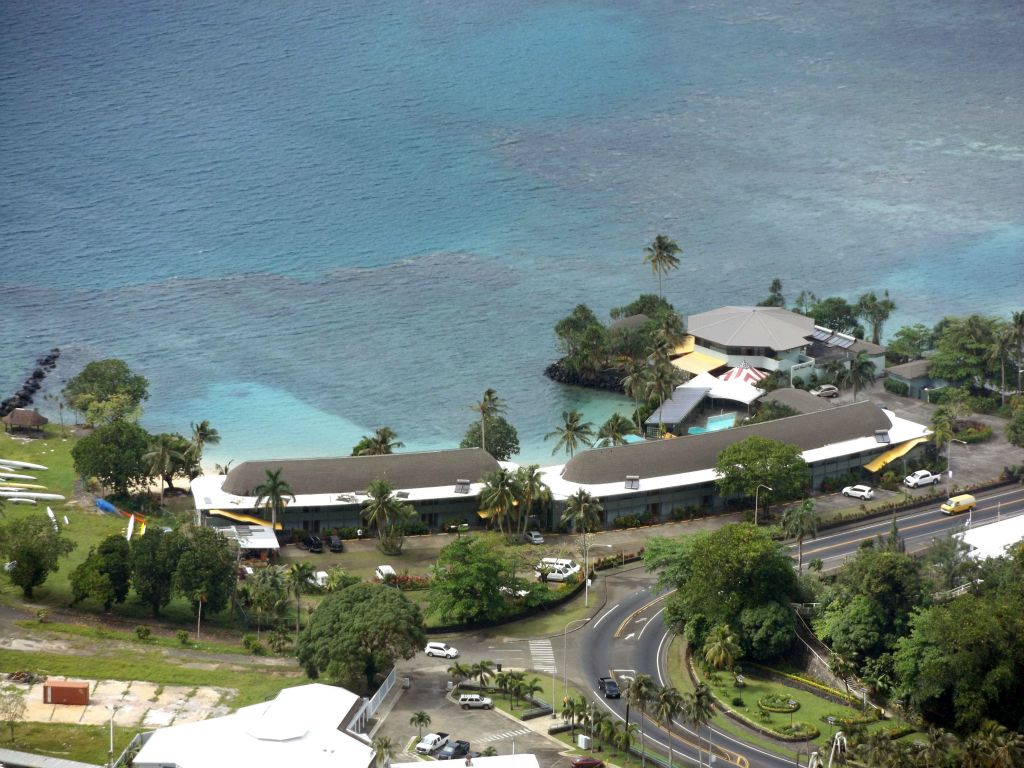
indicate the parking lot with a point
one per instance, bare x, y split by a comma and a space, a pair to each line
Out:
481, 728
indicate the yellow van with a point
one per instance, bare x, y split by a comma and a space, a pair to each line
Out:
957, 504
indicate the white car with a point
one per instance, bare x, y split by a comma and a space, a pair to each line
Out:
922, 477
825, 390
859, 492
535, 537
441, 649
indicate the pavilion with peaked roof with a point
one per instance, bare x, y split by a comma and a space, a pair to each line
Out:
23, 418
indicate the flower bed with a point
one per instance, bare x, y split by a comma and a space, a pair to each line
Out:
800, 731
774, 702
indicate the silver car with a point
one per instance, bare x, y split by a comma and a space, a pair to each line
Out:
535, 537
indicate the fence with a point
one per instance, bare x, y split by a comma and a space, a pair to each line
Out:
371, 705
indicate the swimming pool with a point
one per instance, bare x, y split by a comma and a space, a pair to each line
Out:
725, 421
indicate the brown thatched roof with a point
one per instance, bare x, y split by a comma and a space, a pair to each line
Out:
23, 418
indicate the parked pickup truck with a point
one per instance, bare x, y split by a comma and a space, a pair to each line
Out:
609, 687
454, 750
431, 743
921, 477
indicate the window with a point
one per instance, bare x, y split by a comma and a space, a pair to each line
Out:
633, 482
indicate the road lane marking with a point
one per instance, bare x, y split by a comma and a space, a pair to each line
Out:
605, 615
649, 624
641, 609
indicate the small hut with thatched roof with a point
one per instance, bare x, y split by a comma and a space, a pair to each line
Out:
23, 418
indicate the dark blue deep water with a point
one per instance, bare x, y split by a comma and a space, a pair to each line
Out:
304, 220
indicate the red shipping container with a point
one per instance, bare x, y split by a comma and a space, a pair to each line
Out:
65, 692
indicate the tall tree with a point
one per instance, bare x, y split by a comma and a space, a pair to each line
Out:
640, 694
1017, 324
634, 383
963, 350
382, 442
205, 575
775, 297
583, 512
859, 374
583, 340
357, 634
383, 750
800, 522
668, 704
421, 720
298, 579
467, 582
876, 311
614, 431
1002, 348
105, 574
114, 454
663, 255
502, 438
154, 561
33, 550
755, 461
490, 405
388, 514
161, 458
202, 435
102, 382
722, 648
572, 433
273, 495
663, 380
701, 710
498, 497
529, 489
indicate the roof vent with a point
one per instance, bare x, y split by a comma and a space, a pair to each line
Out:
462, 486
882, 436
402, 494
633, 482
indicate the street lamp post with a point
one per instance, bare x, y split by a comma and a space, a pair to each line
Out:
756, 492
565, 657
110, 754
949, 459
586, 568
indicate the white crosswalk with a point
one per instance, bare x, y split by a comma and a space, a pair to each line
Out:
505, 735
543, 656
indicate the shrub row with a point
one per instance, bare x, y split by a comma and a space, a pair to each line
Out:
896, 387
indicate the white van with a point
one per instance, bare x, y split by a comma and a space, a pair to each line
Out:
385, 573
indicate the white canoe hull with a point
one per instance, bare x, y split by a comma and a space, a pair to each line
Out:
32, 495
20, 464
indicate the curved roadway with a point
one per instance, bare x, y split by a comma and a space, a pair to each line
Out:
631, 638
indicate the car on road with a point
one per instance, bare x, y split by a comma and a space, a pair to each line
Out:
313, 544
825, 390
334, 544
535, 537
454, 750
431, 743
921, 477
957, 504
586, 761
609, 687
474, 701
441, 649
859, 492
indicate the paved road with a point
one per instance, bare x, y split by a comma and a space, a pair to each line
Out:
629, 637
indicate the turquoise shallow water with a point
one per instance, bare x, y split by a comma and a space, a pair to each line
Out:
304, 222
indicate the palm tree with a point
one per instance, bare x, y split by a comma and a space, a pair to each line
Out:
614, 431
875, 749
528, 488
490, 405
384, 511
572, 710
800, 522
634, 383
722, 648
161, 458
993, 745
383, 750
1002, 346
223, 469
573, 432
265, 591
525, 689
859, 374
663, 381
421, 720
640, 693
381, 442
202, 435
498, 496
460, 672
625, 735
669, 703
483, 671
670, 333
273, 494
661, 255
876, 311
583, 512
501, 682
599, 722
605, 727
701, 709
1017, 323
298, 579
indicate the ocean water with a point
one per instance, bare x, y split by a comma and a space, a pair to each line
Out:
303, 221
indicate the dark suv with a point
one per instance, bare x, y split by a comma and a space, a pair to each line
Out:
334, 544
313, 544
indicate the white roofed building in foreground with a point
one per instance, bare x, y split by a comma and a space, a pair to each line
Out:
304, 726
497, 761
993, 539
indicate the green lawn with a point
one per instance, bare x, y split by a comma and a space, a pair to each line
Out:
254, 683
86, 743
160, 639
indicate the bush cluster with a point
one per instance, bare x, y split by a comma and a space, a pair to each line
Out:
409, 583
973, 431
775, 702
896, 387
633, 521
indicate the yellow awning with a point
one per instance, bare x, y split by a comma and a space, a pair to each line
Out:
685, 347
697, 363
894, 453
243, 518
484, 514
